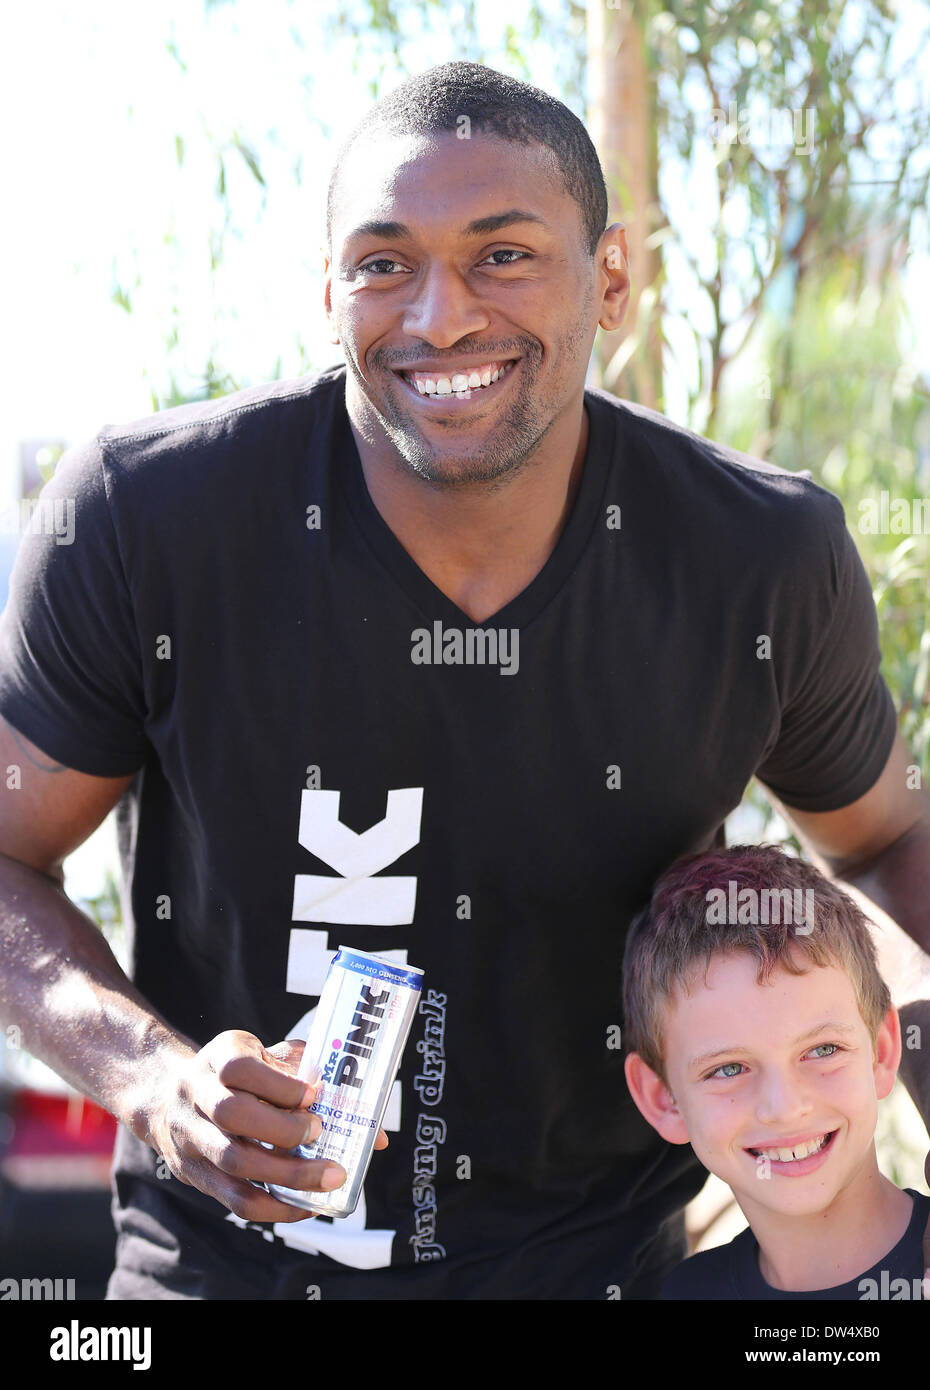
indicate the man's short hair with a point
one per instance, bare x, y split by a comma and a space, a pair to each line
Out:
672, 935
436, 100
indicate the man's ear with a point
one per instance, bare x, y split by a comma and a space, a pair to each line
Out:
654, 1100
887, 1053
613, 259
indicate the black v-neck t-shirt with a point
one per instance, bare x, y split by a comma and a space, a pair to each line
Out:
732, 1271
235, 623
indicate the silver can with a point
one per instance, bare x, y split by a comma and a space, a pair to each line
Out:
355, 1046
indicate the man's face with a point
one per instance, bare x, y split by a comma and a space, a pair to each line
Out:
761, 1072
428, 302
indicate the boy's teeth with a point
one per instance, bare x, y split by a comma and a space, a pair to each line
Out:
799, 1151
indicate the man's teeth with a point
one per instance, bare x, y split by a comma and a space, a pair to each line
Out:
799, 1151
458, 382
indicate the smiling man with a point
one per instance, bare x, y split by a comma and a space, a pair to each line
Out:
291, 774
468, 326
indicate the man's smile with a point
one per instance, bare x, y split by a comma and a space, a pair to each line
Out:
439, 386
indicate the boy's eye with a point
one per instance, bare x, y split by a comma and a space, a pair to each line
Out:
725, 1071
820, 1048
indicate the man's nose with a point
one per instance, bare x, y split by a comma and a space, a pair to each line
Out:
444, 309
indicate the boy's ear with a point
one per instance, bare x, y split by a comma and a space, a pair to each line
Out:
887, 1053
654, 1100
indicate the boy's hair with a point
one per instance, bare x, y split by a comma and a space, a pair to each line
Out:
436, 100
672, 934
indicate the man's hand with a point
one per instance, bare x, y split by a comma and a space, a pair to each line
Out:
215, 1106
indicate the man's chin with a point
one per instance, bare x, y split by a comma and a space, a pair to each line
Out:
460, 472
478, 462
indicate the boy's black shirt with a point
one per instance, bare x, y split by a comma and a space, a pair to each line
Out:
731, 1271
702, 618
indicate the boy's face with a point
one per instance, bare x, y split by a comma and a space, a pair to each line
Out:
758, 1073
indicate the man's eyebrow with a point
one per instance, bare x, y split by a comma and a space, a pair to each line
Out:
739, 1050
480, 226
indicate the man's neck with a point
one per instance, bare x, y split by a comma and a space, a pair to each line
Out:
863, 1223
481, 545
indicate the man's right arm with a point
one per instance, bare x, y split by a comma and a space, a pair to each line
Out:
79, 1013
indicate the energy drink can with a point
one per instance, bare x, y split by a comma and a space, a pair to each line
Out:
355, 1045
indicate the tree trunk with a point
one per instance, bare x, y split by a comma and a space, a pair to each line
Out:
622, 124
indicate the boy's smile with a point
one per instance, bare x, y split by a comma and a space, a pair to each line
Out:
795, 1157
777, 1085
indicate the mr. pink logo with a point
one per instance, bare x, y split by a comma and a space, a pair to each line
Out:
360, 1040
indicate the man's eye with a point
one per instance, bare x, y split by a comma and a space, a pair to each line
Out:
382, 260
386, 261
820, 1048
725, 1071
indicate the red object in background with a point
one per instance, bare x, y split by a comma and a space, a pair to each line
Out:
57, 1141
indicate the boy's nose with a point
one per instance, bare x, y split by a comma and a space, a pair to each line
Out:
782, 1101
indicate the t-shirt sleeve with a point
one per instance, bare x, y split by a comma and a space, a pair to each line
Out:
707, 1275
838, 719
70, 667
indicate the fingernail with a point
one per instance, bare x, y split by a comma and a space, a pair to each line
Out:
333, 1176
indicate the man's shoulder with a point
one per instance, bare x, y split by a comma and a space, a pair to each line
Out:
711, 1274
673, 445
253, 409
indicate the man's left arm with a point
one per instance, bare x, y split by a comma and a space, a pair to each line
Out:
880, 846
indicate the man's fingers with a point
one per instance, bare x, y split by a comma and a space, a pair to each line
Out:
245, 1201
290, 1052
240, 1063
238, 1113
250, 1162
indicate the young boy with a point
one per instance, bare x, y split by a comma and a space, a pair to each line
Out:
760, 1031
